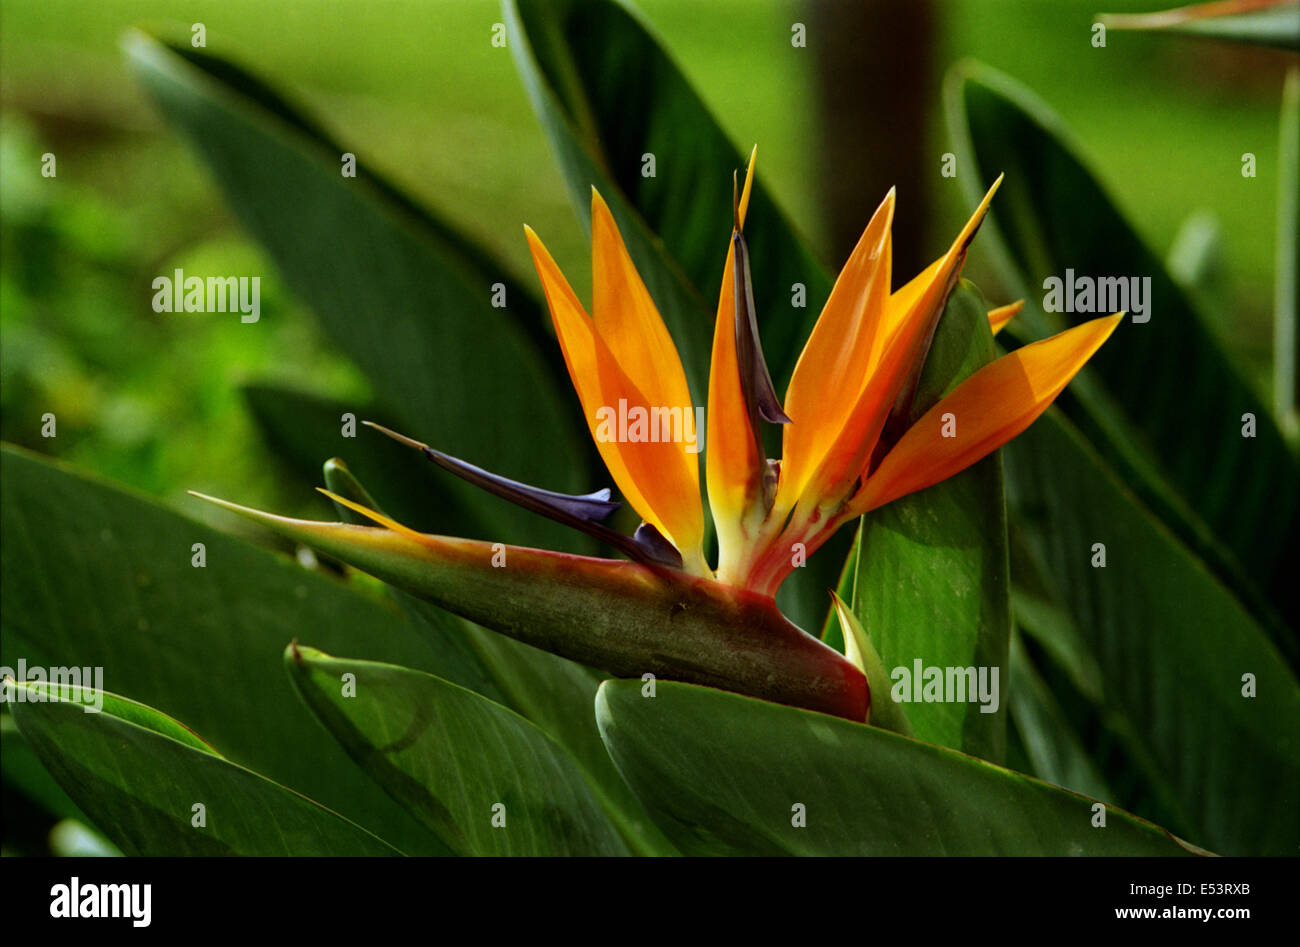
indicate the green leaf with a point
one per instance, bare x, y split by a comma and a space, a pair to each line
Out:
92, 576
1064, 682
1274, 24
139, 775
1161, 401
723, 774
1172, 645
23, 772
482, 777
931, 580
1057, 752
556, 694
552, 692
622, 617
1056, 719
1286, 331
402, 293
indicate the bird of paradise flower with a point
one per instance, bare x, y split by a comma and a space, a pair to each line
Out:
847, 449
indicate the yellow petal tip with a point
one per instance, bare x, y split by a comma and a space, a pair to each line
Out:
370, 514
1001, 315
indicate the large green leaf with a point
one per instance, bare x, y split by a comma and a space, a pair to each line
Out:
1275, 23
484, 778
155, 788
1072, 737
92, 576
23, 772
552, 692
1057, 752
403, 294
931, 584
1162, 401
1171, 644
723, 774
1059, 705
556, 695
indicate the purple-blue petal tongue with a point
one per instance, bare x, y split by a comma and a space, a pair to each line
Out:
584, 512
755, 380
656, 546
588, 507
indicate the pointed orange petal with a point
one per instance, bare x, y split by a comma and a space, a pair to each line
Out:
986, 410
911, 317
628, 320
732, 464
1000, 316
833, 367
917, 302
660, 479
906, 324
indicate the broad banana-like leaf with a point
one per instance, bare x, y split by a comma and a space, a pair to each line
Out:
1213, 708
726, 775
1233, 500
95, 575
553, 693
482, 777
155, 788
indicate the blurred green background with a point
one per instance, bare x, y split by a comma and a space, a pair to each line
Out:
421, 96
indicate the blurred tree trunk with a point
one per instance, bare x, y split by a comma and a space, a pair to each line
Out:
877, 90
